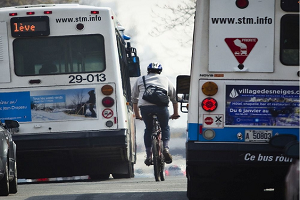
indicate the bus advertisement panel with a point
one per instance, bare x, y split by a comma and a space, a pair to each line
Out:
47, 105
262, 105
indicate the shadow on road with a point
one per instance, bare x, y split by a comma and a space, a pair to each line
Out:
118, 196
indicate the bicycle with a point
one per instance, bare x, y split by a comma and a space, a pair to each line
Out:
157, 151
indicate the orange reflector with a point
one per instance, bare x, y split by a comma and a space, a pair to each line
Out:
209, 104
107, 90
209, 88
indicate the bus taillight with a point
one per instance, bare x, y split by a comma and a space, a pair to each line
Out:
209, 104
108, 102
13, 14
48, 12
242, 3
94, 12
30, 13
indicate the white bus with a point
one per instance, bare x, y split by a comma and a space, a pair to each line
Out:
242, 91
65, 73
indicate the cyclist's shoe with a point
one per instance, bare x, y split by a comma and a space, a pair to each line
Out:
148, 161
168, 156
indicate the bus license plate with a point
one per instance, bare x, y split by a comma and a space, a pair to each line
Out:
258, 135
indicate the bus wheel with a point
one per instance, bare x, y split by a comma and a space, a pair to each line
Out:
192, 190
130, 174
13, 184
4, 183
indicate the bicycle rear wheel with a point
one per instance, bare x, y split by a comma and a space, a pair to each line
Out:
156, 163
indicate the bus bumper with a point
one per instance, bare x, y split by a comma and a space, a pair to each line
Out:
218, 169
70, 154
70, 140
236, 159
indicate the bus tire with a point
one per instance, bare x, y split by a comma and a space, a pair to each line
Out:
4, 183
191, 190
13, 184
130, 173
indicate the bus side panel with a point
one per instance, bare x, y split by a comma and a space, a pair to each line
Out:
4, 56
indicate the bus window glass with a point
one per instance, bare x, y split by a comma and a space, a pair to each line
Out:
289, 40
290, 5
59, 55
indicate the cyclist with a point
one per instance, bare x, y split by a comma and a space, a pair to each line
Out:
147, 109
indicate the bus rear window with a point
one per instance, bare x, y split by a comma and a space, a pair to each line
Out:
59, 55
290, 5
289, 40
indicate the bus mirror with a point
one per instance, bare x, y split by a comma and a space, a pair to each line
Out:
182, 92
183, 88
11, 124
133, 61
134, 66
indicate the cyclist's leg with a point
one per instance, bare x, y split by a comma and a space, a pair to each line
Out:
148, 120
163, 118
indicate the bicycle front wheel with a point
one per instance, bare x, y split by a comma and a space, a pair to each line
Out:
156, 163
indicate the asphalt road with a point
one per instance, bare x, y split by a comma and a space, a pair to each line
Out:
173, 188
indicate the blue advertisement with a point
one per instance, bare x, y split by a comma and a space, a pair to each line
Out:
262, 105
48, 105
15, 106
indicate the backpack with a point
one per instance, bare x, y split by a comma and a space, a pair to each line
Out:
155, 95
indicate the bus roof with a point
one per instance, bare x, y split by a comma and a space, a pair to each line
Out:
54, 6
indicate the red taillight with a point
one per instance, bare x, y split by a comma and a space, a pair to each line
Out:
167, 172
209, 104
242, 3
48, 12
108, 102
13, 14
94, 12
30, 13
42, 179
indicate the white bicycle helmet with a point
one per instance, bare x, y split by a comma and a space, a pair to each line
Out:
154, 66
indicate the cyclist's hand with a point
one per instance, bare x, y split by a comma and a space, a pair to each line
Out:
174, 116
